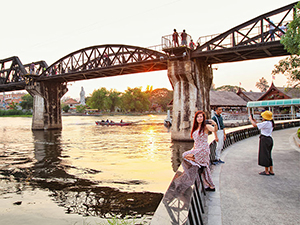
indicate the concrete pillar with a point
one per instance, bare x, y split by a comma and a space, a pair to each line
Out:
46, 104
191, 81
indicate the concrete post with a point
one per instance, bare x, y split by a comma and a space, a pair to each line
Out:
191, 81
46, 104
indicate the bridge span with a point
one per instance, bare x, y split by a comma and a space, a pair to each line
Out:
189, 71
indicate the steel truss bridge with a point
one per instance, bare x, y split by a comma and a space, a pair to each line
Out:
250, 40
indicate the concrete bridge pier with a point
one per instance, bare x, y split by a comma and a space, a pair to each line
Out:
46, 104
191, 81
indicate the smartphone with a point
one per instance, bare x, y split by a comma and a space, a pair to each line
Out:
251, 116
207, 122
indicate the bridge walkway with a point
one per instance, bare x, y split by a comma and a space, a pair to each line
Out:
244, 197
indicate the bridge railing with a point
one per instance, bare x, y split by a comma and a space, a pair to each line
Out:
184, 201
167, 40
258, 30
257, 33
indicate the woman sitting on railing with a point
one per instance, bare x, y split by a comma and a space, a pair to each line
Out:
199, 154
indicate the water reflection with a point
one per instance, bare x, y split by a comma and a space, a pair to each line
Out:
88, 169
75, 194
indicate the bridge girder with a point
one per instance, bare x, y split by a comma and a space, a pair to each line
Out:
105, 61
14, 75
250, 40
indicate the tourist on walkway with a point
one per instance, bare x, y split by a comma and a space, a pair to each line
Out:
183, 38
175, 38
220, 135
265, 142
199, 154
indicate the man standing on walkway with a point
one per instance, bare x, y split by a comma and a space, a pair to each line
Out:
220, 135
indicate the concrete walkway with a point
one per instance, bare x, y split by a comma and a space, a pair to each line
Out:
245, 197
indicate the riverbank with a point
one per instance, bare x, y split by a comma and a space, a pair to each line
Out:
115, 114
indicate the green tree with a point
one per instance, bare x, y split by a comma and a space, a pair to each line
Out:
99, 99
229, 88
13, 106
113, 99
80, 108
135, 100
27, 102
290, 66
161, 97
65, 107
262, 84
291, 39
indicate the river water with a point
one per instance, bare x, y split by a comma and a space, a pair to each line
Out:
85, 171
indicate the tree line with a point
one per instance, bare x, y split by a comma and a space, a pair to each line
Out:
132, 100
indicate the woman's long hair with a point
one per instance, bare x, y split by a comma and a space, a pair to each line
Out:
196, 124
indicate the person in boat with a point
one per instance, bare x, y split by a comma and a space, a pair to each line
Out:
112, 121
121, 121
107, 121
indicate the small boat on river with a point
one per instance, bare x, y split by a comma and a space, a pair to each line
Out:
111, 123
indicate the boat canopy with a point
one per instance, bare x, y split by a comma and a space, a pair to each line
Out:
283, 102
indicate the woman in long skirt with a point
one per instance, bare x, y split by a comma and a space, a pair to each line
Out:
265, 142
199, 154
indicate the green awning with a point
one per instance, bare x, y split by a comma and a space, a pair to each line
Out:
283, 102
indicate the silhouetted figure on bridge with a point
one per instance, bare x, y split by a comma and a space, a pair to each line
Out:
271, 30
283, 29
192, 45
31, 68
106, 60
183, 38
175, 38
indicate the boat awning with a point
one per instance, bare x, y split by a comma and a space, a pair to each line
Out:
283, 102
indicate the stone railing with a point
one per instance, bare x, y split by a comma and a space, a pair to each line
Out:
184, 201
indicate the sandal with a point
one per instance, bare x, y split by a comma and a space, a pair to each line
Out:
272, 173
264, 173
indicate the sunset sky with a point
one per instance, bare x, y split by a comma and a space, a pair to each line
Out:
48, 30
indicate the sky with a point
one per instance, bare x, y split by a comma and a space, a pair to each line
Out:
37, 30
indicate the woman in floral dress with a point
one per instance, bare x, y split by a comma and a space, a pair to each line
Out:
199, 154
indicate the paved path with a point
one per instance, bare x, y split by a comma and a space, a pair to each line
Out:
245, 197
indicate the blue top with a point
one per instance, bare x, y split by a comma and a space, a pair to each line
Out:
219, 120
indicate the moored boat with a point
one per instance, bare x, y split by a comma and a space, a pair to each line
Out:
111, 123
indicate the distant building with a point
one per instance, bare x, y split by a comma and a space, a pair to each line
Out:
8, 98
226, 99
249, 96
72, 103
274, 93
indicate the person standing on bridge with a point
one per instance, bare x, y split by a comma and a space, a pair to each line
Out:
199, 154
265, 142
183, 38
192, 44
175, 38
271, 29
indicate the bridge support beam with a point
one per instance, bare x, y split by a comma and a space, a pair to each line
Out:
191, 81
46, 104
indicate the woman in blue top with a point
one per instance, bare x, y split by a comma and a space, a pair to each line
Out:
265, 142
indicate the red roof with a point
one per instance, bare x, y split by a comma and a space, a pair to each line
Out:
71, 101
